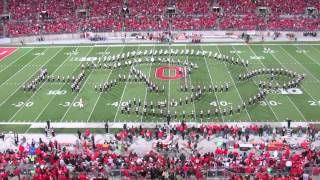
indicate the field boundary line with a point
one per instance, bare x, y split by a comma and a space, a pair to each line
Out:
62, 85
234, 83
14, 61
50, 59
95, 104
289, 98
84, 83
256, 82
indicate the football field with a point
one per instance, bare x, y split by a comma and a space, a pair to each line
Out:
54, 100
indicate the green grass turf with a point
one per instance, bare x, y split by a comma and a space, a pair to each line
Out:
24, 64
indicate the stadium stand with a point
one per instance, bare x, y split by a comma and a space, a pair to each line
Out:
87, 159
1, 7
102, 8
34, 17
147, 7
193, 6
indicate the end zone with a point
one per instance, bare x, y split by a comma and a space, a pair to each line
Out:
4, 52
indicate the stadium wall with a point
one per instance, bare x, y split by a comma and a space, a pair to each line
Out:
128, 37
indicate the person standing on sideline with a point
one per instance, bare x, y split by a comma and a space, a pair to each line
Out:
106, 127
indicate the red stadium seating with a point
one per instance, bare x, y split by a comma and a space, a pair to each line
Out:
144, 15
147, 7
98, 25
193, 6
247, 22
190, 23
26, 10
105, 8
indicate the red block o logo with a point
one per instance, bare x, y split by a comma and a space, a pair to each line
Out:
179, 72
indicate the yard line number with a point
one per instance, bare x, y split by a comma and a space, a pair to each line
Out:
314, 103
21, 104
270, 103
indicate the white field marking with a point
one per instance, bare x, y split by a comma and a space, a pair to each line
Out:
316, 79
43, 109
14, 115
95, 104
26, 65
274, 57
17, 89
205, 60
311, 58
85, 81
28, 129
287, 96
194, 107
234, 82
145, 95
257, 84
300, 64
180, 44
315, 48
124, 89
16, 59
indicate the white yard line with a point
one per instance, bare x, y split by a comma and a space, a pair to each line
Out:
14, 115
194, 107
51, 99
300, 64
17, 89
275, 115
95, 104
316, 79
310, 57
124, 89
295, 106
26, 65
15, 59
145, 95
85, 81
314, 48
235, 86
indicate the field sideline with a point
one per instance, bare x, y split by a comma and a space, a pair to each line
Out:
54, 101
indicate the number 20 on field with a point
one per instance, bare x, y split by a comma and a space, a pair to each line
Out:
314, 103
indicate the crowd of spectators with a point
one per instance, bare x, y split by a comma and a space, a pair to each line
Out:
1, 7
147, 7
198, 23
193, 6
247, 22
59, 16
169, 159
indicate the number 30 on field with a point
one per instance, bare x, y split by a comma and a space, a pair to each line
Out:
68, 104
